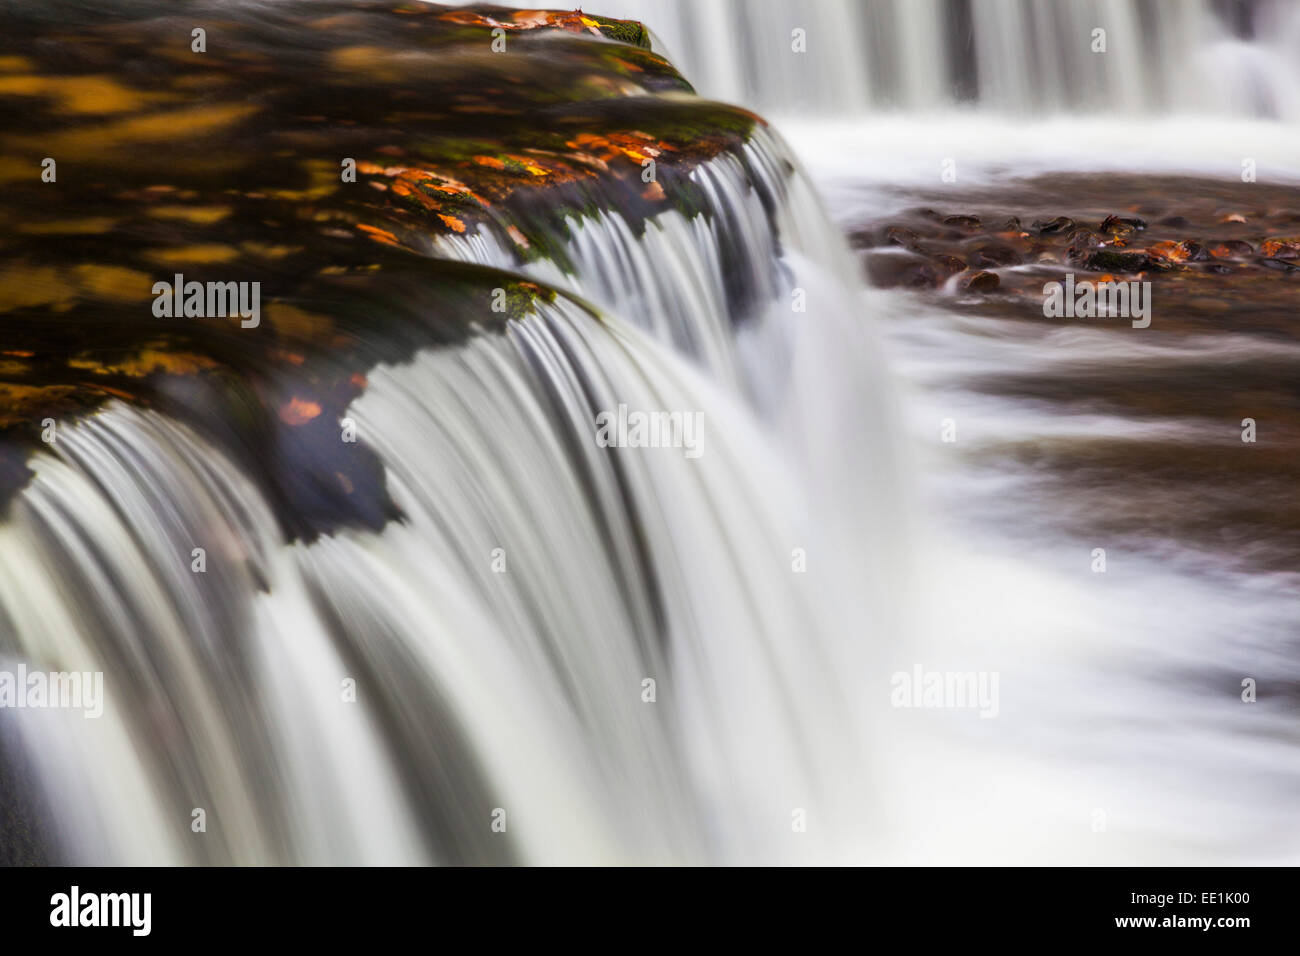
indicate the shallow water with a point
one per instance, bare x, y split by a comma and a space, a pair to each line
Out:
1121, 690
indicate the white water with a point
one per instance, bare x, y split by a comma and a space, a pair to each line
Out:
1161, 56
522, 690
1104, 689
478, 689
1119, 690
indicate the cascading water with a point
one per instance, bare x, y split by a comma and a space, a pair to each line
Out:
477, 635
1194, 56
1120, 704
618, 649
1123, 736
516, 688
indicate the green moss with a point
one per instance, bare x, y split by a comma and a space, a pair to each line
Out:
521, 298
631, 32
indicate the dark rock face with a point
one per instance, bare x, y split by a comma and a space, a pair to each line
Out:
227, 165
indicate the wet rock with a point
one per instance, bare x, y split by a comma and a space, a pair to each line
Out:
902, 236
980, 282
1075, 256
949, 265
1050, 227
994, 254
1168, 249
1085, 238
1122, 225
1012, 225
969, 223
1109, 260
1188, 250
893, 270
1280, 265
1175, 222
1280, 248
1230, 249
862, 238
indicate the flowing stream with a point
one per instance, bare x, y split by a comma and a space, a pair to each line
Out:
642, 655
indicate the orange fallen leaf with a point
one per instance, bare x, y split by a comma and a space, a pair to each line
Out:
299, 411
115, 392
533, 168
1173, 251
379, 235
1283, 248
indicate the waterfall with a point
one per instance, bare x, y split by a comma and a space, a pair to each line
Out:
611, 645
1231, 57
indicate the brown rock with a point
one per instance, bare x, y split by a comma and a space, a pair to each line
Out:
901, 236
980, 282
994, 254
1050, 227
1230, 249
1280, 248
1122, 225
951, 265
893, 270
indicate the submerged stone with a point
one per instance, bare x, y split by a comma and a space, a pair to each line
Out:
980, 282
1048, 227
1109, 260
994, 254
